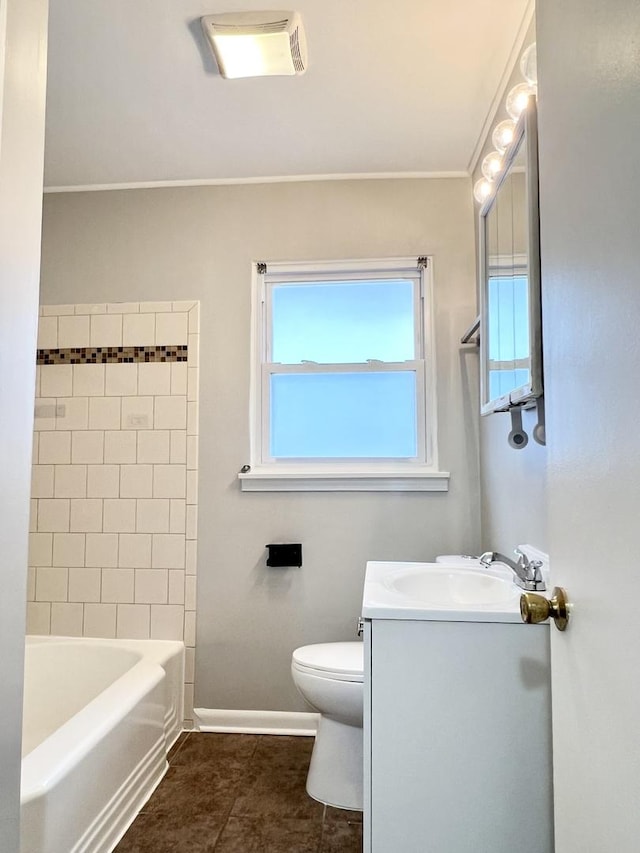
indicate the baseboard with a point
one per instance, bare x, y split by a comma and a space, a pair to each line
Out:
256, 722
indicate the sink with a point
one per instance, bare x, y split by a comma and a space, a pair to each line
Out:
437, 591
451, 586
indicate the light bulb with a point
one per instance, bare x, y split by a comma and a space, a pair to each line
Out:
491, 165
502, 136
518, 98
529, 65
482, 190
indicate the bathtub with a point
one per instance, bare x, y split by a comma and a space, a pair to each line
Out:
99, 719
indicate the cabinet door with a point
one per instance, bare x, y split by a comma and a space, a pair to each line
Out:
460, 738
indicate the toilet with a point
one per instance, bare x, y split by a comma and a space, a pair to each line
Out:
329, 676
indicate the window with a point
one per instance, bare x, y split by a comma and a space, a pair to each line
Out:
343, 379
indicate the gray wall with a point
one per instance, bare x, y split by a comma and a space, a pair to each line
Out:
513, 482
199, 243
23, 59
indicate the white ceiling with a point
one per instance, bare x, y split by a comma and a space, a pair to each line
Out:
134, 96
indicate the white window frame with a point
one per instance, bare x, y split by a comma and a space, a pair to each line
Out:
418, 474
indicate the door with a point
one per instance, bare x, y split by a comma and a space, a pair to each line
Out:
589, 135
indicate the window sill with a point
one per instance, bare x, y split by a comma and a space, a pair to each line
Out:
277, 479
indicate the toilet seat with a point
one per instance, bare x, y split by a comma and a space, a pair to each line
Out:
336, 661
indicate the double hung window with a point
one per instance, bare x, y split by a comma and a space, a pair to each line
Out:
343, 386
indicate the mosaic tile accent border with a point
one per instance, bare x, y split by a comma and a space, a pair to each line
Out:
113, 355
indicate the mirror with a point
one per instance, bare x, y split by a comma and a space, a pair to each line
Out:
510, 311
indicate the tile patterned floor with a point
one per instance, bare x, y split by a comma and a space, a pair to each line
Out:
240, 794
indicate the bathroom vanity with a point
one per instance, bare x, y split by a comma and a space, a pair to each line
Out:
456, 714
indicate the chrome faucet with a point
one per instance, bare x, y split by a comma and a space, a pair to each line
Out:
528, 574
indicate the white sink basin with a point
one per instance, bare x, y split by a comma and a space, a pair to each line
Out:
436, 591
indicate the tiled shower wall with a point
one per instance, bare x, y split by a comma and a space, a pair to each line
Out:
115, 467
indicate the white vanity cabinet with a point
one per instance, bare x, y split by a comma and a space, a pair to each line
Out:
457, 737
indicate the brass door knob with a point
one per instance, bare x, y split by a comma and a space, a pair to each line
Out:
535, 608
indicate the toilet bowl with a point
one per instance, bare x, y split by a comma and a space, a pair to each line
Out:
329, 676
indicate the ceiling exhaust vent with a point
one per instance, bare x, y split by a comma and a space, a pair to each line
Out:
257, 44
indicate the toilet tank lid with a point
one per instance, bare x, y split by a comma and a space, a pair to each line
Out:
347, 658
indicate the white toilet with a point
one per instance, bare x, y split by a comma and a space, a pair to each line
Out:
329, 676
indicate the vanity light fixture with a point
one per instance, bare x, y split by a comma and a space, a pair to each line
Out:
257, 44
482, 190
518, 98
502, 135
529, 65
491, 165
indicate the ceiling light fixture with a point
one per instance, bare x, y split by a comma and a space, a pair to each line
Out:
257, 44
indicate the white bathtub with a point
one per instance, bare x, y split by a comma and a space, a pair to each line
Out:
99, 719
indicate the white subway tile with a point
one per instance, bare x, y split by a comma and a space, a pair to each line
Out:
192, 384
68, 549
31, 583
135, 550
194, 319
179, 377
35, 447
177, 517
167, 622
87, 448
136, 481
53, 515
119, 516
154, 377
66, 619
91, 308
88, 380
104, 413
192, 452
193, 418
182, 305
103, 481
193, 353
191, 525
38, 377
57, 310
44, 413
55, 448
106, 330
172, 329
178, 446
121, 380
56, 380
100, 620
40, 549
138, 330
38, 618
189, 665
188, 702
123, 307
137, 413
120, 447
190, 628
192, 487
118, 585
33, 516
86, 515
52, 584
153, 446
42, 481
168, 551
155, 307
133, 621
153, 516
48, 333
169, 481
170, 412
190, 592
191, 557
72, 413
152, 586
176, 586
71, 481
102, 550
73, 332
84, 584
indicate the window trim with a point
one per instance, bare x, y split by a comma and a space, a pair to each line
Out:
421, 474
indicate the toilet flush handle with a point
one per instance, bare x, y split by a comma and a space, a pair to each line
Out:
360, 626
